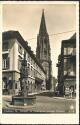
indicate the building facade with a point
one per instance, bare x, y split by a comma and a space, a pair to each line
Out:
13, 48
67, 66
43, 51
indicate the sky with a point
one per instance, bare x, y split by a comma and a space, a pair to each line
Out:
26, 19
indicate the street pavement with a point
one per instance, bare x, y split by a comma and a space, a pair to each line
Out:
43, 104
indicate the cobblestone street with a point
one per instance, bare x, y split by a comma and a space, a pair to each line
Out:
43, 104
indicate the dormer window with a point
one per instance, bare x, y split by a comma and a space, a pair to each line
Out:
20, 49
5, 64
5, 46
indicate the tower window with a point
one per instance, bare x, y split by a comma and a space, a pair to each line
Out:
45, 46
45, 51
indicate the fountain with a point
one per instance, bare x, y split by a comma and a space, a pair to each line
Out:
23, 99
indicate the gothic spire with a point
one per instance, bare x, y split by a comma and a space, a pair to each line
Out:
43, 29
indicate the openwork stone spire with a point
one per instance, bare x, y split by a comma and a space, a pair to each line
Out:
42, 30
43, 51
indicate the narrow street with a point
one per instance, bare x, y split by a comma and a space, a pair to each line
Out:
43, 104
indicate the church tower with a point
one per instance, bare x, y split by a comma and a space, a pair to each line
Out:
43, 53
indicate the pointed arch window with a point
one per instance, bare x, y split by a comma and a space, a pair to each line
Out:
45, 44
45, 51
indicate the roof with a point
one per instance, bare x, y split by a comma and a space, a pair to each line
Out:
16, 35
43, 29
74, 36
71, 40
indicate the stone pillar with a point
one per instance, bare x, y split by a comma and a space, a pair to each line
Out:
23, 77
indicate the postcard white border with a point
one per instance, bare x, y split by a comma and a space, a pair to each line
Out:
0, 59
42, 118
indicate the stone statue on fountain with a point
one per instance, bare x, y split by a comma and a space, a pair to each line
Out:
23, 77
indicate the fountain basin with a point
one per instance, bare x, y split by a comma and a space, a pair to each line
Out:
23, 101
